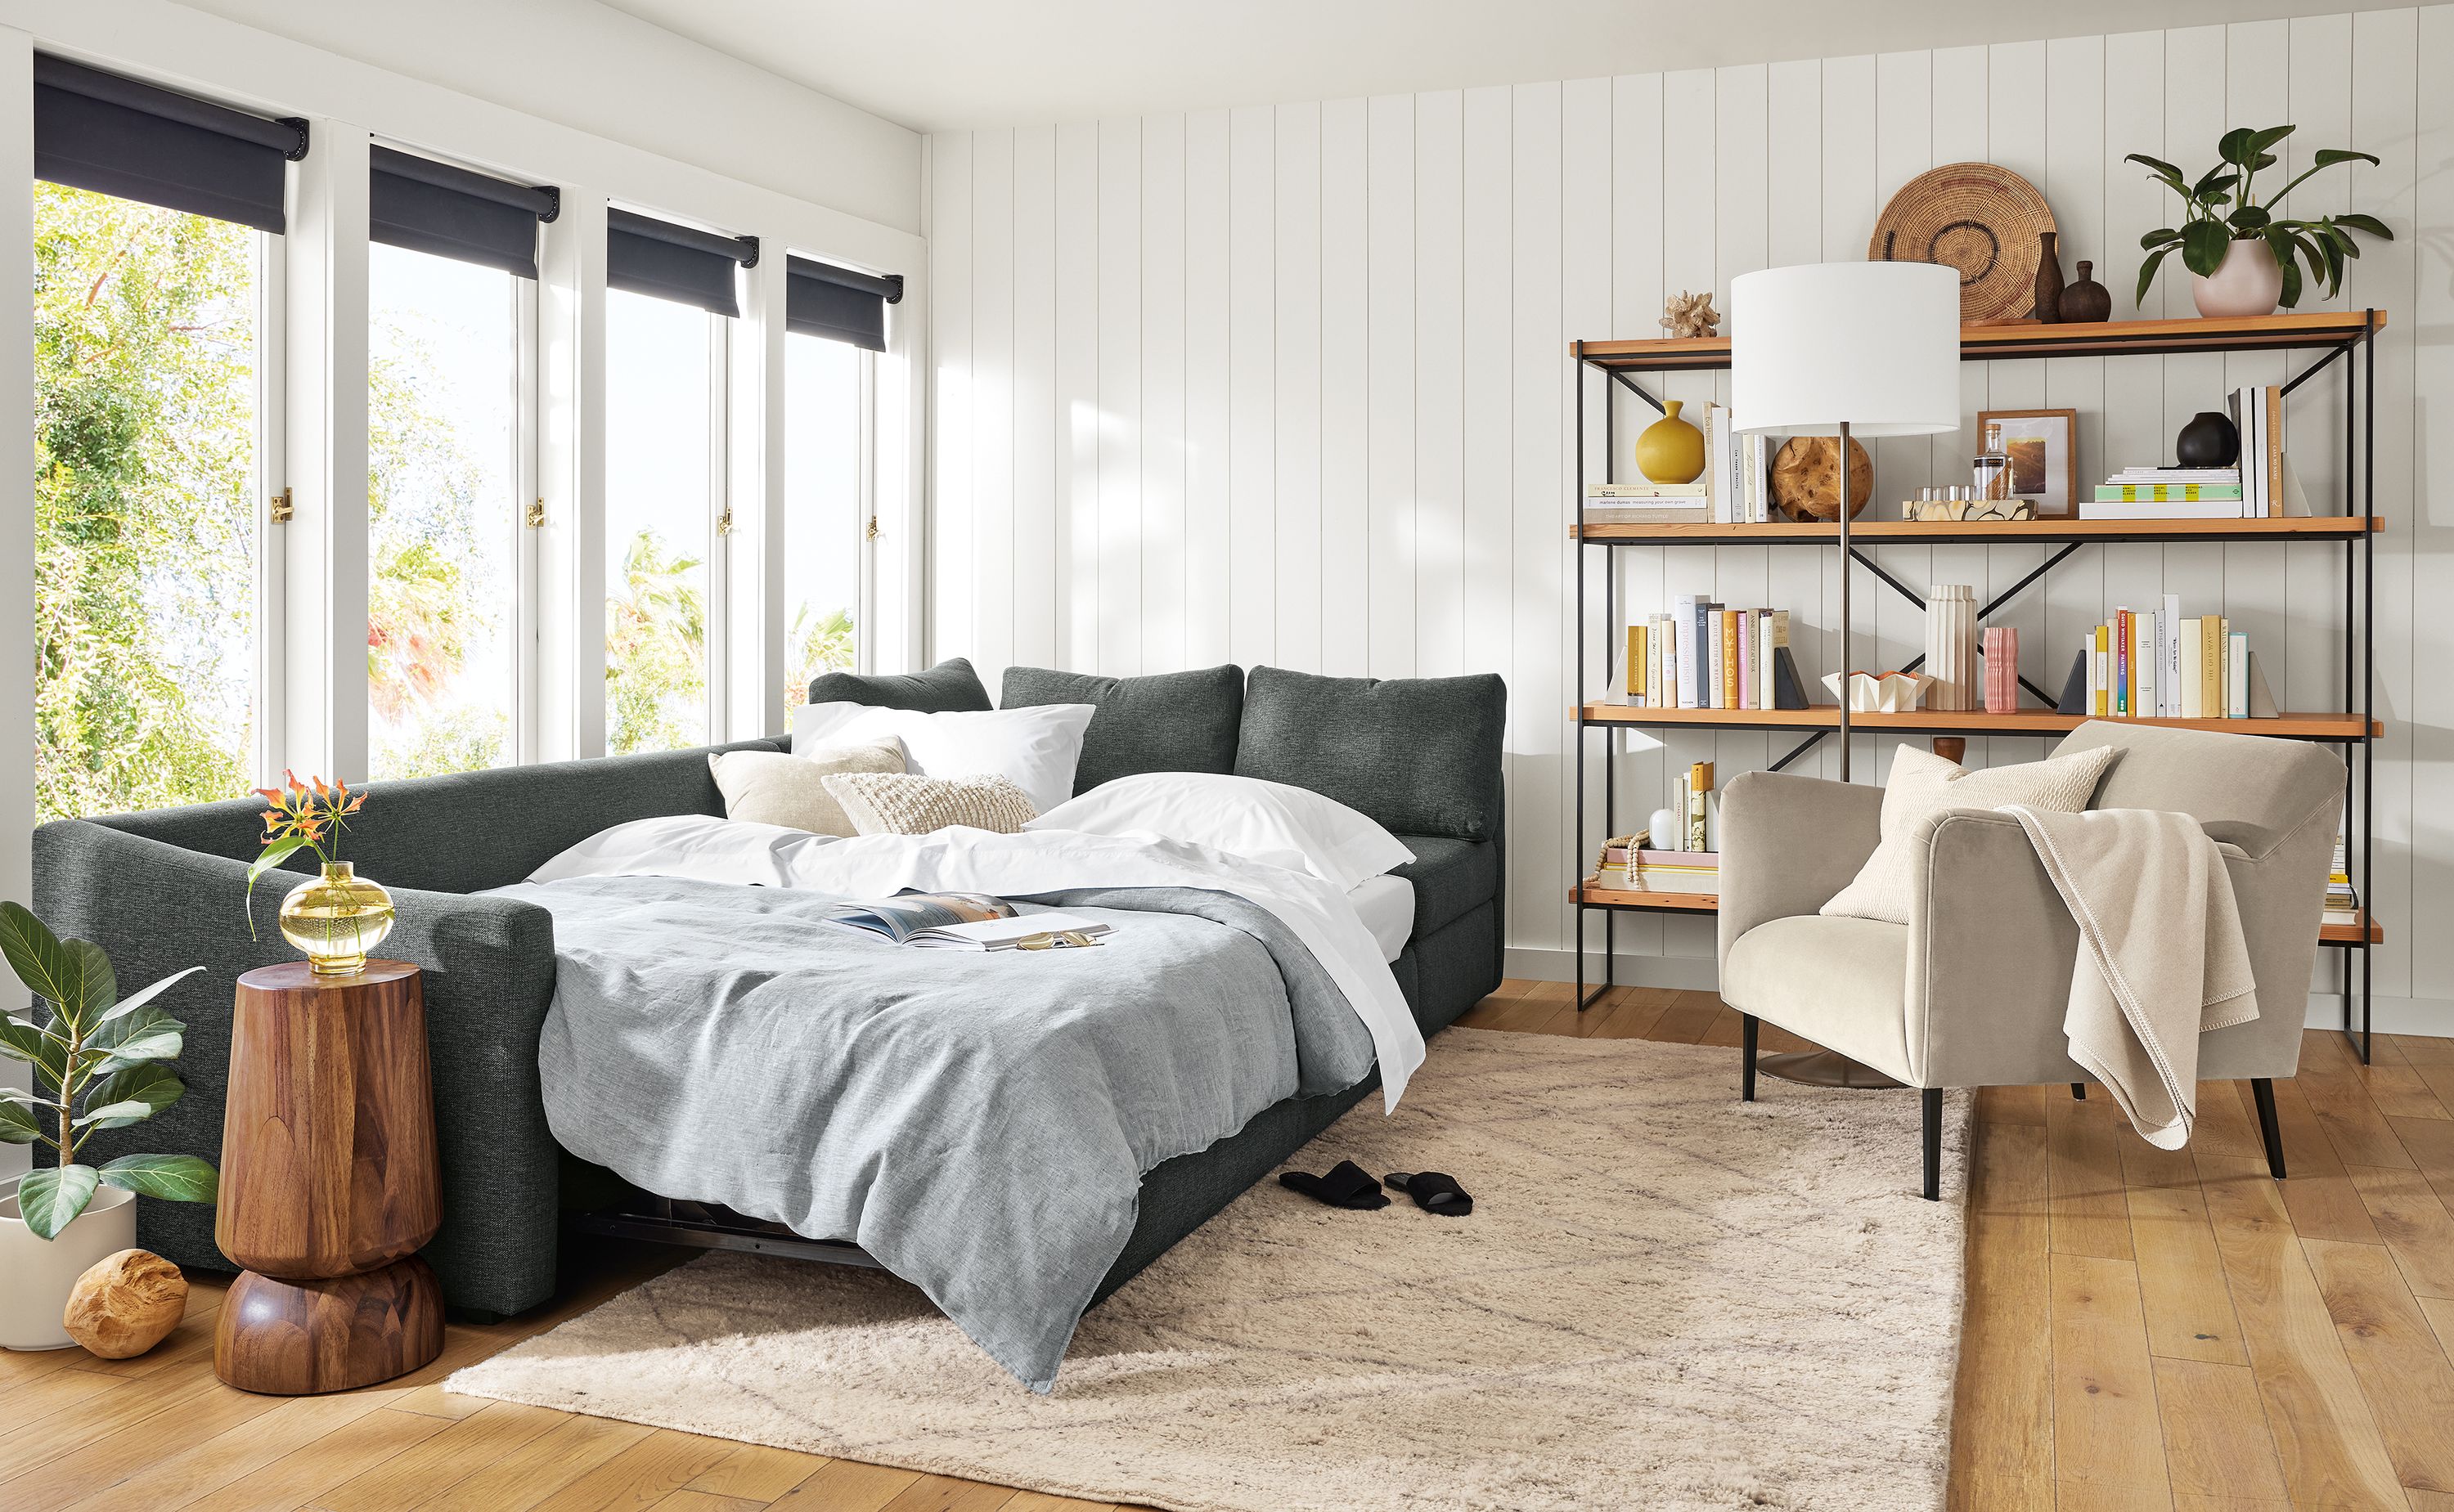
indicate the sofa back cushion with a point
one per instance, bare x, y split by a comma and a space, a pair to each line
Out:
1170, 722
470, 831
948, 686
1420, 755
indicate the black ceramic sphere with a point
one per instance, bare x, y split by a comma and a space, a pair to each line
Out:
2208, 441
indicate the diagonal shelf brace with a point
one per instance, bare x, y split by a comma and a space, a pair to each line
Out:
1636, 388
2050, 700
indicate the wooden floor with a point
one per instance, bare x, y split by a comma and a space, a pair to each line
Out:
2145, 1329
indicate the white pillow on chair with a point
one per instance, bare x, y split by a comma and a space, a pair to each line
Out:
1923, 785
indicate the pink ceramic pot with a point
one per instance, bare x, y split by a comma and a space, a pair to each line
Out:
2246, 283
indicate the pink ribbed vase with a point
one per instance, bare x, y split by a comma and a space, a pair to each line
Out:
2001, 671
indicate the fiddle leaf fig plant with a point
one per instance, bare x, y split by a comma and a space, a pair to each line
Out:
100, 1062
2222, 207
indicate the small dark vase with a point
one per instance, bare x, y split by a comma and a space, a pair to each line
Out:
2087, 299
2049, 279
2208, 441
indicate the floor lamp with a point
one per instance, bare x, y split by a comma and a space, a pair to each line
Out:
1862, 350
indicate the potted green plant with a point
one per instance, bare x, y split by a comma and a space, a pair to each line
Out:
100, 1062
2244, 258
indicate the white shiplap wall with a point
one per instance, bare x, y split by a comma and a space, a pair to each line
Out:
1289, 385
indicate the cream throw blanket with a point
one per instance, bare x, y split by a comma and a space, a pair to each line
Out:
2160, 954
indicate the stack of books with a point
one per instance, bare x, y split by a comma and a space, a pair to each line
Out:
1646, 504
1706, 655
2342, 900
2159, 665
2263, 486
1627, 865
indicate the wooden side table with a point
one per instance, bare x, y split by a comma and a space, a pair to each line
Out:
329, 1183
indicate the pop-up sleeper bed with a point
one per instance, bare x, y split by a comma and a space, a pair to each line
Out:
160, 891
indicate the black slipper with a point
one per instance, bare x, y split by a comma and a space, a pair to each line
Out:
1346, 1185
1432, 1191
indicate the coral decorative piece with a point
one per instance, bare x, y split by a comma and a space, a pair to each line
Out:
1881, 692
1688, 314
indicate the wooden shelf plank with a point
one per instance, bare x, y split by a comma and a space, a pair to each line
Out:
1594, 896
2111, 338
1966, 722
1817, 532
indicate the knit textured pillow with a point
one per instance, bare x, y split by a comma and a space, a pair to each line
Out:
906, 804
1923, 785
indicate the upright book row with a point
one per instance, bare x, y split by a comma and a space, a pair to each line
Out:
1706, 655
2159, 665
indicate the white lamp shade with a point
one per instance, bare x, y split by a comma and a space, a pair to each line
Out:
1876, 344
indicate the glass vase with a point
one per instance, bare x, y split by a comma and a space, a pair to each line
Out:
335, 919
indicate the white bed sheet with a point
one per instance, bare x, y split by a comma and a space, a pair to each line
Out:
1387, 905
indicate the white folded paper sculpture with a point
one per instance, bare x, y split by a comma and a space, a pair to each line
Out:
1881, 693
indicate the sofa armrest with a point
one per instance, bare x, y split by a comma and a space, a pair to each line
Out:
488, 965
1788, 843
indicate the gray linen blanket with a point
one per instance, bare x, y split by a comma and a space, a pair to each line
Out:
979, 1123
2160, 954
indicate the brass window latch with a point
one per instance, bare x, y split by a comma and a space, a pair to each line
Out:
873, 527
536, 514
281, 508
724, 521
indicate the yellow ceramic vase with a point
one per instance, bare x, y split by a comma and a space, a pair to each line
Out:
1670, 451
335, 919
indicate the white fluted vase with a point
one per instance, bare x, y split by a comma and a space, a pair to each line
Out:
1951, 646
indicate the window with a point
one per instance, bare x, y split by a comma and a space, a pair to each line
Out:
147, 384
826, 509
443, 483
664, 433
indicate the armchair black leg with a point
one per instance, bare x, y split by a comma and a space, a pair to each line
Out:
2269, 1132
1746, 1057
2079, 1091
1933, 1096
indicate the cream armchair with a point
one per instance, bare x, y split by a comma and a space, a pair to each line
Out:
1971, 991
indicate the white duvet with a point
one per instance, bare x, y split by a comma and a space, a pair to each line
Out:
715, 849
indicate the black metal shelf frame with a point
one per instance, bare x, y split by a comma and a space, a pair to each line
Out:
2360, 649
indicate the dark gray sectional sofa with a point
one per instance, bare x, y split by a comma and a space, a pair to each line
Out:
161, 891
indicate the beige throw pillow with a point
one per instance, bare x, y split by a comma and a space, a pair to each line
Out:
771, 787
913, 804
1923, 785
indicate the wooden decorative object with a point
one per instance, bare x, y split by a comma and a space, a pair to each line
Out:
329, 1183
1981, 218
1685, 316
1807, 477
126, 1304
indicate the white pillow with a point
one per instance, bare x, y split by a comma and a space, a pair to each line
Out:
1923, 785
1272, 822
769, 788
1035, 748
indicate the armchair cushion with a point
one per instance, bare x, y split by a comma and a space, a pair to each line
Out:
1923, 785
1842, 983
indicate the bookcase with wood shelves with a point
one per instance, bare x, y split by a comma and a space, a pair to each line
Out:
2346, 336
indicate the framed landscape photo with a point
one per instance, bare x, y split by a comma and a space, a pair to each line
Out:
2044, 448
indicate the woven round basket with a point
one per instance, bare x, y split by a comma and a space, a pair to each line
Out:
1979, 218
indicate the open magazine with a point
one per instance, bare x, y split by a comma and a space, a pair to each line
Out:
966, 920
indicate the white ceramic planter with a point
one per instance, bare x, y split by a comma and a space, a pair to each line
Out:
36, 1275
2246, 283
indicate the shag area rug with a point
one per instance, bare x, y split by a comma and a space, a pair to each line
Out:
1664, 1299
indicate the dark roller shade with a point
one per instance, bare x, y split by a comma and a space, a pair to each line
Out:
680, 262
837, 303
96, 130
451, 212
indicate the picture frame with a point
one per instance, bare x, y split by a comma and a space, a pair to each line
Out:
2044, 448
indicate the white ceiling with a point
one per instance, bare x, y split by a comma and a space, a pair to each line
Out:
940, 65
